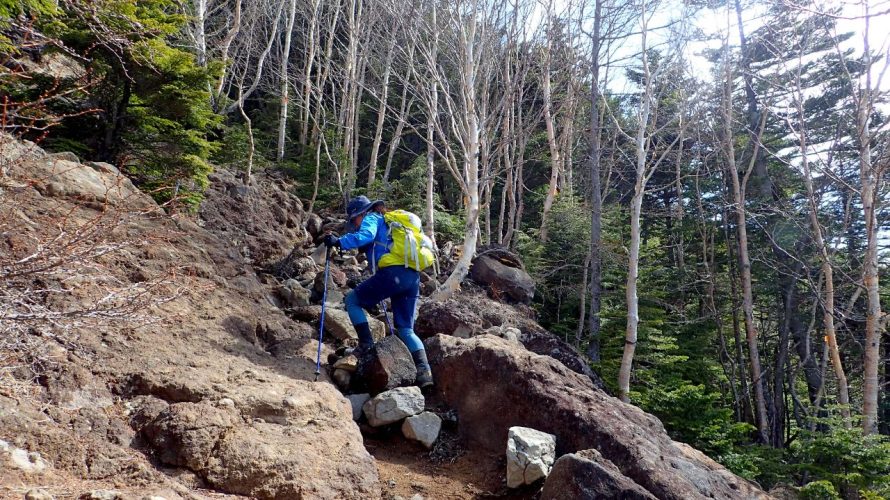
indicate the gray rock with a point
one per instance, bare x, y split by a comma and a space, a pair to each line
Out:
342, 378
335, 299
101, 166
293, 294
503, 279
357, 401
394, 405
64, 156
424, 428
387, 366
38, 494
102, 495
530, 455
510, 333
313, 224
318, 255
586, 475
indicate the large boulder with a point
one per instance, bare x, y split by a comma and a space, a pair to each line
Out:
387, 366
502, 279
186, 434
492, 383
304, 445
63, 176
469, 315
586, 475
450, 317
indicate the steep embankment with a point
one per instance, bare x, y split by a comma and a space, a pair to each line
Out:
211, 394
191, 399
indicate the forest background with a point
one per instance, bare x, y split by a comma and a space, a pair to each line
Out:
702, 204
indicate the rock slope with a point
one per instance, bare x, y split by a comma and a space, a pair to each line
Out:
192, 389
195, 378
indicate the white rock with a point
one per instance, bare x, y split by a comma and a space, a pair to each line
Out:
357, 401
424, 428
226, 403
530, 455
29, 463
394, 405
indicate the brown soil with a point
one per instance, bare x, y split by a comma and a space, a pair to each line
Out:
407, 469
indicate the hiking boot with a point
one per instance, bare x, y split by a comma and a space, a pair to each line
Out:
424, 374
358, 351
424, 379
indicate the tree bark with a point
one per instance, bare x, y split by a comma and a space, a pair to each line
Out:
738, 191
284, 79
555, 162
596, 198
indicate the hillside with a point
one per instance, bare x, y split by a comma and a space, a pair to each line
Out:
195, 380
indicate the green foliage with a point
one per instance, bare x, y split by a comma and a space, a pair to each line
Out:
819, 490
170, 115
845, 458
149, 99
9, 9
558, 264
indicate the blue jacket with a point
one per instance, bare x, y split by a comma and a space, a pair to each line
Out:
372, 237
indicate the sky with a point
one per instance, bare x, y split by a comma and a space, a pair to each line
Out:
713, 22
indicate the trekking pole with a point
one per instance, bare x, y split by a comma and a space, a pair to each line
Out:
324, 302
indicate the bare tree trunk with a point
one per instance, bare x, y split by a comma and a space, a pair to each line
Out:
469, 73
234, 28
381, 112
284, 79
827, 268
869, 180
432, 117
555, 162
322, 77
636, 207
596, 195
261, 61
311, 49
738, 191
200, 32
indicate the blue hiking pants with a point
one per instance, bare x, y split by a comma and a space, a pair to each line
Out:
402, 286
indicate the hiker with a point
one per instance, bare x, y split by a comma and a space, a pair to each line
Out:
368, 231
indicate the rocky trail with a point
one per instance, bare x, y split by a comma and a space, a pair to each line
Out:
211, 395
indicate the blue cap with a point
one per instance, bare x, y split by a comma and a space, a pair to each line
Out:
358, 206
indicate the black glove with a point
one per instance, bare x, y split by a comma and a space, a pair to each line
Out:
331, 241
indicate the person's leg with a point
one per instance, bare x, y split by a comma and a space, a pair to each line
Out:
404, 306
358, 319
366, 295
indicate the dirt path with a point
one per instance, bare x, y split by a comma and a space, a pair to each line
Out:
407, 469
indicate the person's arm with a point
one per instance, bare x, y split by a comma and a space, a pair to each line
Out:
365, 234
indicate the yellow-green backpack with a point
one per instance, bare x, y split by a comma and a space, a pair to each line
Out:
408, 245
